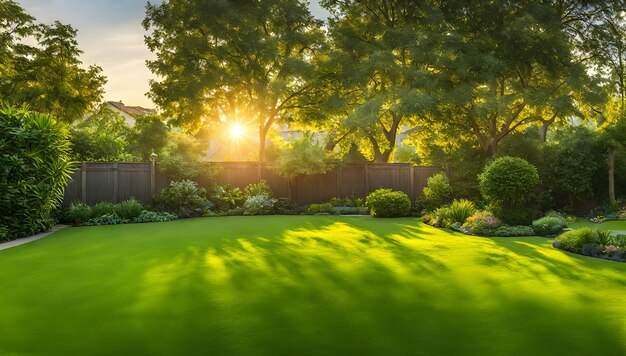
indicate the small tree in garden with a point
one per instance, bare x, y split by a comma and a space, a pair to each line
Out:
437, 191
34, 170
300, 157
507, 183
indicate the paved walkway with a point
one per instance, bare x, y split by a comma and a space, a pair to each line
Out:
25, 240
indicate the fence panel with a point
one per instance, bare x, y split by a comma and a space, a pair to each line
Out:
115, 182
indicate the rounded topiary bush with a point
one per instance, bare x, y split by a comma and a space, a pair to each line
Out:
385, 203
35, 167
508, 181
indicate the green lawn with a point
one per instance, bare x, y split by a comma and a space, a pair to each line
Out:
305, 286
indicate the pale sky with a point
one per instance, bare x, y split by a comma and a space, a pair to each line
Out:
111, 35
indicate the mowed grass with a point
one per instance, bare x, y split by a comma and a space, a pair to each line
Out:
305, 286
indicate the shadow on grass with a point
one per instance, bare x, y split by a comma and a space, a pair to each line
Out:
308, 286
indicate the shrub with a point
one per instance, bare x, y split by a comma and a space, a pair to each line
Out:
511, 231
35, 167
619, 240
151, 216
238, 211
437, 191
109, 219
574, 240
286, 206
129, 209
513, 216
348, 202
260, 188
480, 223
508, 181
259, 204
325, 208
78, 213
183, 198
350, 210
441, 217
460, 210
385, 203
549, 226
233, 197
4, 233
102, 208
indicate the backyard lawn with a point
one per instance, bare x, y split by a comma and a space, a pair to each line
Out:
305, 285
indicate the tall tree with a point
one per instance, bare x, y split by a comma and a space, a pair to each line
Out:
514, 66
385, 60
245, 61
47, 76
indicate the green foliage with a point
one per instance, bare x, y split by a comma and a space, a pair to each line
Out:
574, 240
284, 206
102, 208
4, 233
102, 137
481, 223
182, 158
233, 197
78, 213
182, 198
437, 191
348, 202
460, 210
35, 167
301, 157
151, 216
350, 210
508, 181
107, 219
385, 203
257, 57
325, 208
150, 134
129, 209
260, 188
511, 231
549, 225
259, 204
40, 66
513, 215
574, 160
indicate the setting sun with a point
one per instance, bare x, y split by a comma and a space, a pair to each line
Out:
236, 131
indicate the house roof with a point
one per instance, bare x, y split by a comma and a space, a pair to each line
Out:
131, 110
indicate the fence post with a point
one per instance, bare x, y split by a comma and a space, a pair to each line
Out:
367, 178
412, 179
153, 159
83, 182
339, 191
115, 183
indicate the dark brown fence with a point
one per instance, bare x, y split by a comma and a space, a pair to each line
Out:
115, 182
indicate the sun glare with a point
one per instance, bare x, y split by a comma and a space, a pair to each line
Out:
236, 131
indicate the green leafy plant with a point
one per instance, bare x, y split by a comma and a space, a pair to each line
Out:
259, 204
549, 225
385, 203
480, 223
233, 197
35, 167
183, 198
507, 182
78, 213
460, 210
152, 216
325, 208
102, 208
574, 240
437, 191
108, 219
511, 231
129, 209
260, 188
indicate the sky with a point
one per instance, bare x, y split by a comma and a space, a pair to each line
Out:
111, 35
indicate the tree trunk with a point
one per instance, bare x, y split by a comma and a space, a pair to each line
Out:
290, 181
543, 132
611, 163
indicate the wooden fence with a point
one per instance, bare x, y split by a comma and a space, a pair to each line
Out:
115, 182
